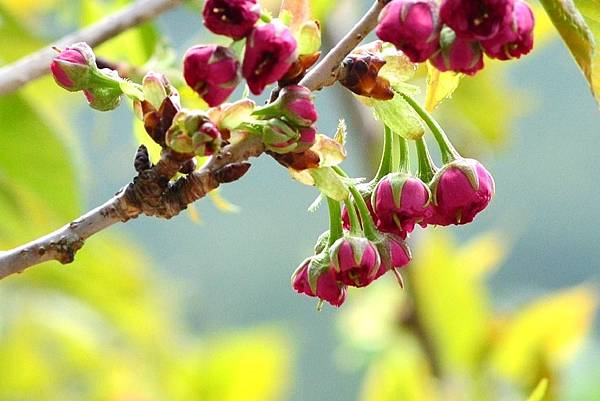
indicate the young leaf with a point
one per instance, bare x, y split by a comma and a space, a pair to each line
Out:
399, 117
440, 86
342, 131
578, 23
325, 179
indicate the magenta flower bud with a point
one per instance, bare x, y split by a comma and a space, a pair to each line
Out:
212, 72
402, 200
72, 68
193, 133
308, 135
294, 103
327, 286
297, 105
270, 51
476, 19
457, 54
394, 254
412, 26
460, 190
515, 39
355, 259
233, 18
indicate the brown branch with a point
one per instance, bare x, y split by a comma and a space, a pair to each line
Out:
152, 192
327, 73
19, 73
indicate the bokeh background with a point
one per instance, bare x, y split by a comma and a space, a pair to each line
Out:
200, 307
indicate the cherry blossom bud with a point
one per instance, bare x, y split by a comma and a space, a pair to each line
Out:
193, 133
270, 51
401, 200
460, 190
326, 286
295, 104
515, 39
233, 18
212, 72
73, 67
394, 253
476, 19
412, 26
457, 54
355, 259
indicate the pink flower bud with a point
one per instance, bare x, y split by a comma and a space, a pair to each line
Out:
380, 224
515, 39
193, 133
476, 19
307, 138
72, 68
327, 286
460, 190
270, 51
457, 54
394, 254
401, 200
212, 72
412, 26
294, 103
297, 105
233, 18
355, 259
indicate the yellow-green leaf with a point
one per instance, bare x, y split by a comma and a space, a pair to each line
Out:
578, 23
440, 86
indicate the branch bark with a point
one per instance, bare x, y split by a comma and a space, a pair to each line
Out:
19, 73
165, 199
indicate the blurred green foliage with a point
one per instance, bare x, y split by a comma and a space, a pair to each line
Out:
102, 328
440, 339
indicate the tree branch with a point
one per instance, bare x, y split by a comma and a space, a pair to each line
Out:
19, 73
153, 194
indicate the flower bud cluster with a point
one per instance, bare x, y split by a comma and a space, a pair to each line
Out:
366, 245
272, 52
75, 69
455, 34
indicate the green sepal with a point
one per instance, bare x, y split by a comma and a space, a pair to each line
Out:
322, 241
318, 265
104, 98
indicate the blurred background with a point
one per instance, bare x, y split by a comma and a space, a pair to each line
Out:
200, 307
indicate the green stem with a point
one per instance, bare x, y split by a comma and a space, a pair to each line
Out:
355, 228
404, 165
365, 216
367, 222
448, 151
386, 156
335, 221
426, 166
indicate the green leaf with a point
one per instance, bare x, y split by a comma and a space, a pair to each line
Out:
32, 156
329, 183
399, 117
578, 23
